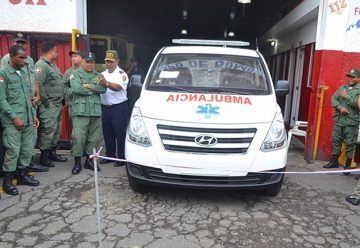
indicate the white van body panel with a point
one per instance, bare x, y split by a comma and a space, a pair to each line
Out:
254, 160
184, 107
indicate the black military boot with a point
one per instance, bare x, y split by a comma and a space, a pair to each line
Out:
89, 164
333, 163
56, 157
347, 166
35, 167
24, 179
77, 167
44, 159
8, 186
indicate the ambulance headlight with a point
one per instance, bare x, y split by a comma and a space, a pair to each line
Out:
137, 131
276, 137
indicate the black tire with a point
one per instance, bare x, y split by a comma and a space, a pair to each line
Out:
135, 186
274, 189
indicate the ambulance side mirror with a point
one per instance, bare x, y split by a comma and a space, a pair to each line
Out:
282, 88
134, 90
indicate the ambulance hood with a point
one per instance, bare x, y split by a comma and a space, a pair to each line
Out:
211, 108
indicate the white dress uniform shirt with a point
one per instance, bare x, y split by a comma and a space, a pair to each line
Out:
111, 97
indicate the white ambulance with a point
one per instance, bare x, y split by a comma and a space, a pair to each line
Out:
207, 117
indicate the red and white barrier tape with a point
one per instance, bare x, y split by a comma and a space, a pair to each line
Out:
97, 155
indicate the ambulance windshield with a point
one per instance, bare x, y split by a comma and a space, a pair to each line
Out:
209, 72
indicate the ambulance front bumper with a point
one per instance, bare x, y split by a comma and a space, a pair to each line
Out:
155, 176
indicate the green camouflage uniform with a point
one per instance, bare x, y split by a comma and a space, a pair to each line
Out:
67, 87
29, 69
66, 79
52, 95
15, 101
346, 126
86, 112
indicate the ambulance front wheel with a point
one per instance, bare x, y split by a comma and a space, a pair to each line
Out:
275, 189
135, 186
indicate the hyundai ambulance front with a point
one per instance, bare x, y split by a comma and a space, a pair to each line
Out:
207, 117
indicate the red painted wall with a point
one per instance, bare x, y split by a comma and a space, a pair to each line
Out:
330, 68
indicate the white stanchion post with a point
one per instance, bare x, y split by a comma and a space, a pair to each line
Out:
97, 196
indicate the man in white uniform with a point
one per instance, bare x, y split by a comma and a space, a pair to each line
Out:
114, 108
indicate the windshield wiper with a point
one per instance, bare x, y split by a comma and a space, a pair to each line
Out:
172, 88
229, 91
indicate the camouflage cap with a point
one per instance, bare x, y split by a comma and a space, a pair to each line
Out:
88, 56
353, 73
111, 55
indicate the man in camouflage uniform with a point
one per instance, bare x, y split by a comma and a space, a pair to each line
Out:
50, 110
33, 86
76, 60
346, 120
18, 117
86, 111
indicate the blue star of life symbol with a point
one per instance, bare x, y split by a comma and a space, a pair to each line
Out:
208, 110
354, 25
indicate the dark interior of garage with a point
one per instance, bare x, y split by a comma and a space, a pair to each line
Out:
154, 23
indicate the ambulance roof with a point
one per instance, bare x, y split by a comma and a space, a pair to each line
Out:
210, 50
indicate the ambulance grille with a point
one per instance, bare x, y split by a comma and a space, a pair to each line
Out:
206, 140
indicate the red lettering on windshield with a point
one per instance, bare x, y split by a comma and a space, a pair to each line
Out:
208, 98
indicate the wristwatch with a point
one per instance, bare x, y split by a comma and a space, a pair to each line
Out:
107, 84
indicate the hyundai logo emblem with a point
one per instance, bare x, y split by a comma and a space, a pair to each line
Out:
206, 140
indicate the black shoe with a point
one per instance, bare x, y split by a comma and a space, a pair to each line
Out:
44, 159
34, 167
104, 161
119, 164
8, 186
352, 199
90, 165
77, 166
357, 177
56, 157
347, 166
24, 179
76, 169
331, 166
333, 163
27, 172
